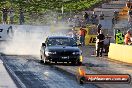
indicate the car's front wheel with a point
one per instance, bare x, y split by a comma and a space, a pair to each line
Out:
41, 61
46, 61
79, 63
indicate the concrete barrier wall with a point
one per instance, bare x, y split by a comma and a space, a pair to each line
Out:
121, 53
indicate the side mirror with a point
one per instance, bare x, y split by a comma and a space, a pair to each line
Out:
43, 44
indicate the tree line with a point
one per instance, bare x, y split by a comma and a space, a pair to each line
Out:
44, 5
40, 7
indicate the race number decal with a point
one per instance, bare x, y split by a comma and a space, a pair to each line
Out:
92, 40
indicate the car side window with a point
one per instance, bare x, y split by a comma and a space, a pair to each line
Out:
50, 42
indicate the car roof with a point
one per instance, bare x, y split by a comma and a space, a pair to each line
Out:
59, 37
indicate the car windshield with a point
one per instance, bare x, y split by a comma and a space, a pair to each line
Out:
61, 42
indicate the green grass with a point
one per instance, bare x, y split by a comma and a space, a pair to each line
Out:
80, 5
42, 6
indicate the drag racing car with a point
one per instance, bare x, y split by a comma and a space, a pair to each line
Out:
6, 32
60, 49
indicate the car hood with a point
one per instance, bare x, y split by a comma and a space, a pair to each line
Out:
63, 48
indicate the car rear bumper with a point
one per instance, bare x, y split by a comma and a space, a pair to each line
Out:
64, 58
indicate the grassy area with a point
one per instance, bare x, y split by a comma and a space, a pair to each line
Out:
80, 5
41, 7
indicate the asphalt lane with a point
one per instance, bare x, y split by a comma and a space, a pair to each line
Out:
100, 65
33, 74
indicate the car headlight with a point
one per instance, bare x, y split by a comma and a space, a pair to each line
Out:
47, 53
76, 53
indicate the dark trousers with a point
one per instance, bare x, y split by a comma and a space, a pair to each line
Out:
11, 20
82, 40
4, 19
21, 21
99, 49
106, 48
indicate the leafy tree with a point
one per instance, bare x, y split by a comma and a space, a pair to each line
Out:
39, 7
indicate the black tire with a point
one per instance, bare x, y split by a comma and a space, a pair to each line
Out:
79, 63
41, 61
46, 62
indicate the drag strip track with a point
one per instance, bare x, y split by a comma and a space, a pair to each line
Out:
33, 74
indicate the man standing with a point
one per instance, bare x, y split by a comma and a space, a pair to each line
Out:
99, 27
106, 44
130, 17
11, 15
115, 17
73, 34
94, 18
82, 34
119, 37
4, 15
21, 17
86, 17
101, 18
128, 3
127, 39
99, 44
